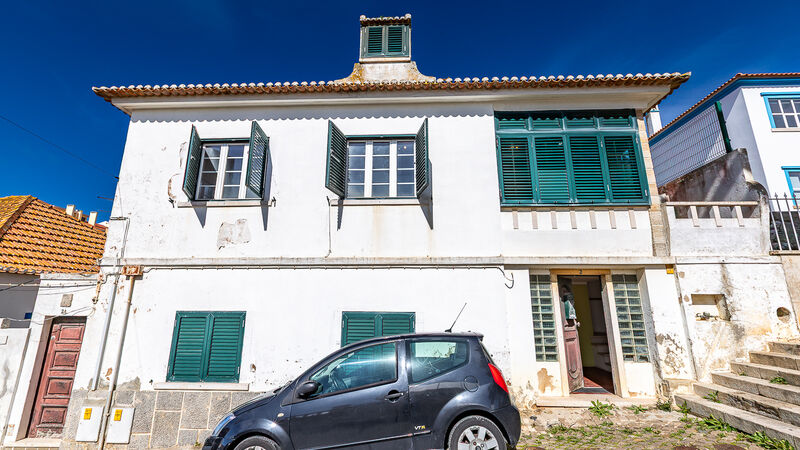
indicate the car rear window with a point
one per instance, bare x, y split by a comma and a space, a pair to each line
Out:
430, 358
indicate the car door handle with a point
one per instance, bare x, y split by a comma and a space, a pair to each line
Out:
393, 396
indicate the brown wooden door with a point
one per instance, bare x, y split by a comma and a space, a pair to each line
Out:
573, 352
55, 383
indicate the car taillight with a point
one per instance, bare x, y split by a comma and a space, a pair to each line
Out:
498, 377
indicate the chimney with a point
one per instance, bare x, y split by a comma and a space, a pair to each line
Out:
653, 121
78, 215
92, 218
70, 210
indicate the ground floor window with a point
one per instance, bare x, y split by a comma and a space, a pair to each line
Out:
544, 323
631, 318
206, 346
360, 325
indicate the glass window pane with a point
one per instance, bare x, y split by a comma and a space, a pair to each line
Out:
405, 162
405, 190
779, 123
405, 176
356, 162
380, 148
357, 148
234, 164
211, 165
405, 148
212, 151
791, 122
380, 190
380, 176
787, 106
432, 358
208, 179
206, 193
355, 190
380, 162
233, 178
235, 151
363, 367
795, 179
355, 176
230, 192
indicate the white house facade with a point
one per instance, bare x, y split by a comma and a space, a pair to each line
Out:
258, 227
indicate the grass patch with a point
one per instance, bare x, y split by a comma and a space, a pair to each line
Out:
601, 409
637, 409
762, 440
778, 380
712, 396
666, 405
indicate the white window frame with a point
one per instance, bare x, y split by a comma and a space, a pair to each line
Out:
794, 100
368, 160
223, 164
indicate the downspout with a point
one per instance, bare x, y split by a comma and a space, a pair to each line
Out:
115, 374
107, 322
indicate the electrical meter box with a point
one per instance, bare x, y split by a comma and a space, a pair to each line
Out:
89, 424
119, 425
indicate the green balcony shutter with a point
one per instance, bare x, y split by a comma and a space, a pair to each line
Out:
336, 173
358, 326
587, 168
423, 163
623, 169
552, 179
257, 160
194, 156
187, 357
396, 323
374, 43
394, 39
225, 346
516, 185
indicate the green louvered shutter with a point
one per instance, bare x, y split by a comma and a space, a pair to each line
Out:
396, 323
579, 120
374, 45
225, 346
188, 347
545, 121
512, 122
336, 173
394, 40
516, 185
194, 156
358, 326
423, 163
552, 180
623, 169
587, 168
257, 160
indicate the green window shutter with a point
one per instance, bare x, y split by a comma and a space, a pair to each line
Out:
625, 176
516, 185
587, 168
396, 323
336, 172
580, 120
225, 346
194, 156
546, 121
374, 45
616, 119
423, 175
552, 179
257, 160
187, 356
512, 122
358, 326
394, 39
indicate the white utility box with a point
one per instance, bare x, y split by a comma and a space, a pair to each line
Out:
89, 424
119, 425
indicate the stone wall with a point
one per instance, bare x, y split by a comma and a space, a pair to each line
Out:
161, 418
727, 178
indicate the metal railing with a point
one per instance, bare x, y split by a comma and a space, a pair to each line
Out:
784, 228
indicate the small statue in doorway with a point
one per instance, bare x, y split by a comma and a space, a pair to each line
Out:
569, 306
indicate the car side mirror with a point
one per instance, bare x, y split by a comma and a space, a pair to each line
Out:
307, 389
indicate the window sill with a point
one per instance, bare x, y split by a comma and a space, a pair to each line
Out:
201, 386
221, 203
564, 206
786, 130
376, 202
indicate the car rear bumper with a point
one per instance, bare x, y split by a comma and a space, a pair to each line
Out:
510, 420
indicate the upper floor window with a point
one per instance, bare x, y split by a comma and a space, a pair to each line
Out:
226, 169
575, 157
784, 111
793, 179
385, 41
377, 166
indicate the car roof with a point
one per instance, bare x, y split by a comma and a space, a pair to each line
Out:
377, 340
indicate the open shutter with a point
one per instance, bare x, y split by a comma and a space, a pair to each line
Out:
257, 160
587, 168
396, 323
195, 155
225, 347
358, 326
551, 169
623, 169
188, 347
336, 173
515, 170
423, 163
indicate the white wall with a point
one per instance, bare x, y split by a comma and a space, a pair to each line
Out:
13, 342
15, 301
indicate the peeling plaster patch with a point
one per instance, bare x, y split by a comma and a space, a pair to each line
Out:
175, 179
545, 381
233, 233
672, 353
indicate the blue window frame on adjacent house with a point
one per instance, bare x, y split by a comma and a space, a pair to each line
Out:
793, 180
783, 110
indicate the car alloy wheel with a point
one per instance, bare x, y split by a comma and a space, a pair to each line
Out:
477, 438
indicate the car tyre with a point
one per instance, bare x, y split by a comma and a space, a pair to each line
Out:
472, 430
257, 443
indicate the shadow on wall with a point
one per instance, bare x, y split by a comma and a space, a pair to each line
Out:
727, 178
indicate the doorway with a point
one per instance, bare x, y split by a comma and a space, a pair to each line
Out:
58, 373
587, 347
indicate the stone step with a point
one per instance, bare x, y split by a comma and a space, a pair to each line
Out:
788, 348
776, 360
776, 409
782, 392
746, 421
792, 377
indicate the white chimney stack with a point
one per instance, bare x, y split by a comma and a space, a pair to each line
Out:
92, 217
79, 214
70, 210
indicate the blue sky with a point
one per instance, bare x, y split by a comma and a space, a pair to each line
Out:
52, 53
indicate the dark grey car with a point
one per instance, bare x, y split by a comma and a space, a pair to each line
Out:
421, 391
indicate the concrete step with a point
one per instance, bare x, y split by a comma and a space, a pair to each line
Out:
776, 360
788, 348
746, 421
792, 377
777, 409
757, 386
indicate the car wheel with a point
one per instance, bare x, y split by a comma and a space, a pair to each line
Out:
476, 433
257, 443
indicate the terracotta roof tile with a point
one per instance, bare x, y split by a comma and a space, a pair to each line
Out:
405, 20
36, 237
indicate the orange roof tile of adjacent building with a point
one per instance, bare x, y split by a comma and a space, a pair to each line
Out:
36, 237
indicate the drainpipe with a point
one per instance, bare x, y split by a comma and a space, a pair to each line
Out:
115, 374
107, 322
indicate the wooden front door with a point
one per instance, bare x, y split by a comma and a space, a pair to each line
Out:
573, 352
58, 373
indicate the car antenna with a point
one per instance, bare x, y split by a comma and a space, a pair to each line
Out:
450, 330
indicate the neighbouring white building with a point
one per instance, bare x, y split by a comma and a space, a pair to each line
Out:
759, 112
258, 227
